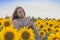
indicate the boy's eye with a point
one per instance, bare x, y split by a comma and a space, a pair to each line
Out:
20, 11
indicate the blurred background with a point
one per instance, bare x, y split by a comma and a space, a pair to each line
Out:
33, 8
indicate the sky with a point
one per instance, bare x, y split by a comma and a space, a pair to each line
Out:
33, 8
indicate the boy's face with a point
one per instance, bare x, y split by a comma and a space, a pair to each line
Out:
20, 13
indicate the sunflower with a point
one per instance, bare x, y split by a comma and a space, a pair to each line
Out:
7, 23
41, 33
56, 30
39, 21
57, 26
42, 20
26, 34
42, 25
58, 21
53, 37
1, 25
37, 26
51, 24
49, 29
9, 33
53, 20
46, 22
44, 29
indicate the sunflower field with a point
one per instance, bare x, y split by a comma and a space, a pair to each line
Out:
48, 29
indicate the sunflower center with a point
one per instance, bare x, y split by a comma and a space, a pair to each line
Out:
0, 23
58, 20
41, 33
55, 38
50, 25
49, 29
25, 35
46, 23
9, 36
56, 26
6, 23
41, 26
57, 30
44, 30
39, 23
